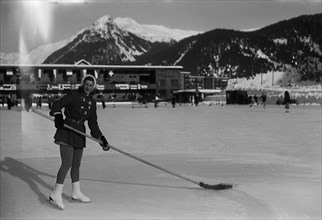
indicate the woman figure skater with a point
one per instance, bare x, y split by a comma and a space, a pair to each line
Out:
79, 106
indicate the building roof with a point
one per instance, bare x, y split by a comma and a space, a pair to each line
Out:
84, 66
82, 61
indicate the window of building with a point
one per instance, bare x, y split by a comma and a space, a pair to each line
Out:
147, 77
174, 83
2, 74
162, 83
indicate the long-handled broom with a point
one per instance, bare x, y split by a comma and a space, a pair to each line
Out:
220, 186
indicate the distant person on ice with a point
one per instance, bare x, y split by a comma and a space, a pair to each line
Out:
287, 100
156, 101
39, 102
251, 101
28, 102
256, 100
79, 107
173, 101
9, 102
264, 99
196, 99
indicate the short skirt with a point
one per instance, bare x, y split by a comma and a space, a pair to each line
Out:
65, 136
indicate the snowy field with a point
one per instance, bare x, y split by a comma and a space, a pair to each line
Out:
274, 158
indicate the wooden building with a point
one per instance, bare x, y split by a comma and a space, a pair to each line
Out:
122, 82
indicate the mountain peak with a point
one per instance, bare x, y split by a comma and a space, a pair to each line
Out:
152, 33
127, 21
104, 19
101, 22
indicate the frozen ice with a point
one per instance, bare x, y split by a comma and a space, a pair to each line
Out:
274, 158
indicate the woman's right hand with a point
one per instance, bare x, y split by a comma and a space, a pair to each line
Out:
59, 121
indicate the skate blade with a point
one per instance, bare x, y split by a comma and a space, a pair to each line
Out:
81, 201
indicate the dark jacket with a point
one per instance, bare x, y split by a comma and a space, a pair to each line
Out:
78, 108
287, 97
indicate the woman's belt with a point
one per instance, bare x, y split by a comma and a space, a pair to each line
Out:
81, 121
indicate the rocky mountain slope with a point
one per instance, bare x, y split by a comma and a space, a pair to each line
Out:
115, 40
102, 43
293, 45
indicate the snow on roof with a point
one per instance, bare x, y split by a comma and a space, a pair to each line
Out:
82, 62
88, 66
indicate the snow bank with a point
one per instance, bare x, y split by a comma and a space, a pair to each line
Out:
274, 84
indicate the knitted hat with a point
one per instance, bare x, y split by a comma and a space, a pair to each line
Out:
92, 78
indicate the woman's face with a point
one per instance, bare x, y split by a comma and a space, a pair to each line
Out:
88, 86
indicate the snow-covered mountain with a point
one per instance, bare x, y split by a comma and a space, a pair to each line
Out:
101, 43
288, 51
292, 47
39, 54
36, 56
155, 34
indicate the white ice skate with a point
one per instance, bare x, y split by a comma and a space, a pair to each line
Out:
56, 196
77, 194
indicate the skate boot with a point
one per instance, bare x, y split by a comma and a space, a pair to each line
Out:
56, 197
77, 194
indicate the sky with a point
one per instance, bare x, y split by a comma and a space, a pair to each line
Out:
27, 24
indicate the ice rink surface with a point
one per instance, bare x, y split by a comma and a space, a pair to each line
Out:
274, 158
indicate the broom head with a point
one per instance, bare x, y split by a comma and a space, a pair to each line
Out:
220, 186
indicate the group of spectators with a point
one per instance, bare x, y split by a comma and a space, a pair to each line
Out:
286, 100
9, 101
194, 100
254, 100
